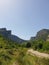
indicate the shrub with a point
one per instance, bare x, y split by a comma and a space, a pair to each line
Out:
28, 45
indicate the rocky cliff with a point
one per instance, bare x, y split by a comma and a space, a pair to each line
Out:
7, 33
42, 34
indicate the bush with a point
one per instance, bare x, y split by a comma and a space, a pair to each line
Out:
28, 45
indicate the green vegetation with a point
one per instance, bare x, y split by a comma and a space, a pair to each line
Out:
12, 53
40, 45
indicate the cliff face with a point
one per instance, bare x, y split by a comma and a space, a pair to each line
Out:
42, 34
7, 33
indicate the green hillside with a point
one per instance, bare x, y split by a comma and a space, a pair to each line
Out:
12, 53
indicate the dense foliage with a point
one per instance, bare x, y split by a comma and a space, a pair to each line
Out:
40, 45
12, 53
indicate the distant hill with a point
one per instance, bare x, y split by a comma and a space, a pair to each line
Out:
7, 34
42, 34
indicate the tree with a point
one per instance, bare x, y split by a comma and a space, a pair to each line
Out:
28, 45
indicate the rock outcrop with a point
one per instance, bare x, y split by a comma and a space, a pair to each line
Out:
42, 34
7, 34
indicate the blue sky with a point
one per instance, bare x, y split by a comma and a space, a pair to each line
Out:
24, 17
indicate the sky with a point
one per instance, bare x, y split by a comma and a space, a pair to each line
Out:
24, 17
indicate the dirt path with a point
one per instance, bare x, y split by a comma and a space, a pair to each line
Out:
38, 54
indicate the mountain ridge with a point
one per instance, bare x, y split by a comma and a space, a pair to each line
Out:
8, 34
42, 34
